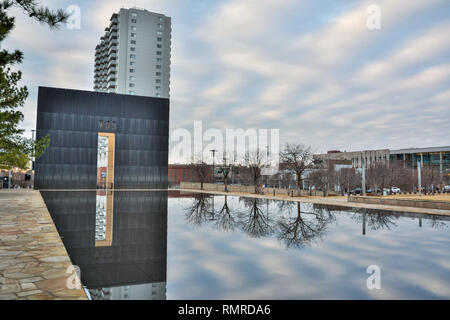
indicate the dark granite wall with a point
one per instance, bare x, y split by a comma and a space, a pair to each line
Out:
73, 119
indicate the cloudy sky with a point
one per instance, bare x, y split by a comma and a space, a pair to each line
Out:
310, 68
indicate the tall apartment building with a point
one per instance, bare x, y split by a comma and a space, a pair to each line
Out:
133, 56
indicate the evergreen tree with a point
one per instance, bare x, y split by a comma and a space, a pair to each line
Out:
15, 150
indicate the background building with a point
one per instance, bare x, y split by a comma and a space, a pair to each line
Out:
434, 160
137, 129
438, 157
133, 56
182, 172
371, 157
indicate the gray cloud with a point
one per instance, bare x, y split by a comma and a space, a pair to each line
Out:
314, 71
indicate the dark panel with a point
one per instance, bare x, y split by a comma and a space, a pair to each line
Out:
138, 253
71, 118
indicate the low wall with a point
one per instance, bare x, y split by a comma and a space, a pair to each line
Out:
249, 189
428, 204
216, 187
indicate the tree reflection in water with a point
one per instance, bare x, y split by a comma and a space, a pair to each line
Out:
225, 220
296, 228
437, 223
253, 222
302, 228
201, 209
374, 219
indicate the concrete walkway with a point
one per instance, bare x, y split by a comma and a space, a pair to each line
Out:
33, 259
332, 201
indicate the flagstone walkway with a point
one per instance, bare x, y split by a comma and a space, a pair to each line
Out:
33, 259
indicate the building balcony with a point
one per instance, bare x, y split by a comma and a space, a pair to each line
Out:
112, 70
112, 56
112, 43
111, 64
114, 17
113, 34
112, 50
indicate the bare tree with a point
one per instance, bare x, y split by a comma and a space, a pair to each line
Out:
400, 176
225, 169
377, 176
297, 158
321, 179
255, 162
201, 170
284, 179
347, 179
430, 178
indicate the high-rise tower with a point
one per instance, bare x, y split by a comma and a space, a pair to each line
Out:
133, 56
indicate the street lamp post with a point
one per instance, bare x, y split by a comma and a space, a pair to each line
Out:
214, 164
32, 162
419, 177
363, 162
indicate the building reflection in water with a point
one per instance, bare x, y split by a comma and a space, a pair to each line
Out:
118, 239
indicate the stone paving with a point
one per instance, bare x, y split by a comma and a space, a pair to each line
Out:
33, 259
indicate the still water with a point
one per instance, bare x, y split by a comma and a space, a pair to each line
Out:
160, 245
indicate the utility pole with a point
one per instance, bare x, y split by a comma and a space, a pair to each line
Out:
270, 164
363, 175
32, 162
214, 164
419, 177
364, 223
441, 177
225, 171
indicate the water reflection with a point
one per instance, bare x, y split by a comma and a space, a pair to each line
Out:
224, 247
201, 209
304, 227
118, 239
286, 220
225, 220
253, 221
244, 248
256, 220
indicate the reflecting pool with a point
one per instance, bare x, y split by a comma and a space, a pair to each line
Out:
160, 245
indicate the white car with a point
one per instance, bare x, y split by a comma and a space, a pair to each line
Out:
447, 188
395, 190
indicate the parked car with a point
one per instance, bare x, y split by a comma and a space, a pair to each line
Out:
421, 189
395, 190
356, 191
447, 188
376, 191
